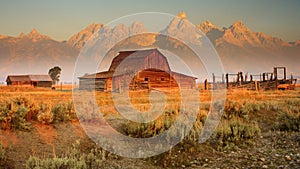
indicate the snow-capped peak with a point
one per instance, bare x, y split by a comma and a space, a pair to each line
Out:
34, 32
22, 34
181, 28
137, 27
93, 27
79, 39
182, 15
34, 35
297, 43
207, 26
2, 37
239, 25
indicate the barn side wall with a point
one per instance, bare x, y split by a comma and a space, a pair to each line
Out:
92, 84
186, 82
23, 83
108, 85
44, 84
120, 83
151, 79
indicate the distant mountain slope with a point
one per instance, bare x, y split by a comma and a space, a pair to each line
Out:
240, 48
79, 39
34, 53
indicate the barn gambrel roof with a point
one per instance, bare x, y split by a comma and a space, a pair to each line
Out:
130, 62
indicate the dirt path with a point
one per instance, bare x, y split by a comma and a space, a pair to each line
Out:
50, 140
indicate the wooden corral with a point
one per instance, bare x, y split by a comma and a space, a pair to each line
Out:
135, 70
264, 81
29, 80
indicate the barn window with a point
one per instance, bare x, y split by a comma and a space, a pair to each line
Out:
162, 79
146, 79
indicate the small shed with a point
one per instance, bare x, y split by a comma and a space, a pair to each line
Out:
29, 80
141, 69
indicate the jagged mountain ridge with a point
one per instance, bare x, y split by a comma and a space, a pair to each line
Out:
79, 39
243, 49
240, 35
240, 48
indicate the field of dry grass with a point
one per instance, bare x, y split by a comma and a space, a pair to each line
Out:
258, 129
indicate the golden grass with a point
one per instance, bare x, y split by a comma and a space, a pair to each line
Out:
243, 104
140, 99
64, 87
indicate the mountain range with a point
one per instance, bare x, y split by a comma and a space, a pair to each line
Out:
239, 48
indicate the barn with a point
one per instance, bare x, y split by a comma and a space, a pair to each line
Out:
29, 80
134, 70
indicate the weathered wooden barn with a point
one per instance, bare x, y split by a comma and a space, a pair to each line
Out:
134, 70
29, 80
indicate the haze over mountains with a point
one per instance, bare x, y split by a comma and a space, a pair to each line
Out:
240, 48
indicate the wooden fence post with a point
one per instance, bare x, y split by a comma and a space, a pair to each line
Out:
242, 78
284, 73
256, 85
227, 81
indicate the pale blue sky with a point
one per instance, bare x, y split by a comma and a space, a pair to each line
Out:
62, 18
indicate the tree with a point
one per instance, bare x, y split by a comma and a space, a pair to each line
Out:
54, 73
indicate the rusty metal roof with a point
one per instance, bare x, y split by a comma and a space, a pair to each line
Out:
132, 63
44, 78
16, 78
138, 54
100, 75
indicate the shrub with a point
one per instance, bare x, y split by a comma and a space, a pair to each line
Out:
144, 130
234, 133
45, 114
75, 158
163, 123
13, 114
240, 109
16, 112
59, 112
289, 122
19, 121
2, 154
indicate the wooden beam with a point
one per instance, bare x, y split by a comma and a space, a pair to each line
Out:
205, 84
256, 85
242, 78
284, 73
227, 81
275, 73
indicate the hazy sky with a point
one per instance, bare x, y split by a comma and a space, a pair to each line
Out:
62, 18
